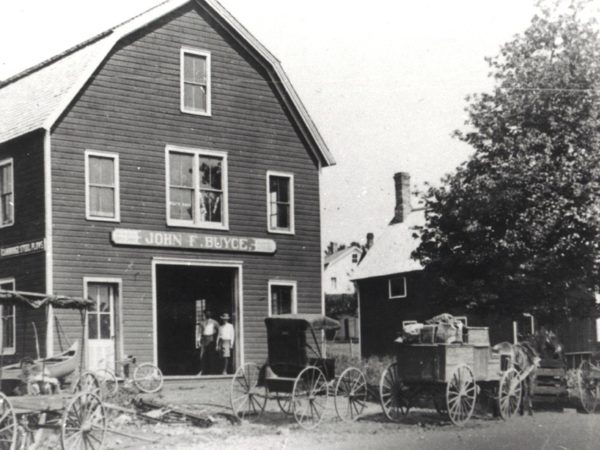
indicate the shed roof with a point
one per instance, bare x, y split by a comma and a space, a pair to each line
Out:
36, 300
391, 253
317, 321
37, 97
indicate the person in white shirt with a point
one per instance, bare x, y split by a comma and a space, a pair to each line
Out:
206, 331
225, 341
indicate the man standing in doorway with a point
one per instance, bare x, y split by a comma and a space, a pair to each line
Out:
225, 341
206, 330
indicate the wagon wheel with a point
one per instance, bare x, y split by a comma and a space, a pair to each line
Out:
83, 423
8, 424
246, 397
394, 403
350, 394
87, 382
109, 385
148, 378
587, 386
285, 404
509, 393
309, 397
461, 393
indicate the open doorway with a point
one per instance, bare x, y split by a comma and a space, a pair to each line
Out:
185, 296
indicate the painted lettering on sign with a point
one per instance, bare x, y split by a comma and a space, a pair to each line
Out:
197, 241
22, 249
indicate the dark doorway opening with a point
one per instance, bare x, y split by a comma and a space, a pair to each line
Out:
183, 293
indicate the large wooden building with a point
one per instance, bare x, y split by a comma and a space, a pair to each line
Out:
162, 168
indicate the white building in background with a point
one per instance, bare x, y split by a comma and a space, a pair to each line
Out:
339, 268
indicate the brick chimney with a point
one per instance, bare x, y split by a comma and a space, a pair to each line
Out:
403, 206
370, 240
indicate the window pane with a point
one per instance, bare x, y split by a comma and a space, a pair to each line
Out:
181, 201
210, 206
210, 172
194, 68
6, 179
280, 186
104, 326
181, 170
283, 216
281, 298
6, 208
102, 171
8, 286
8, 312
92, 325
194, 97
102, 201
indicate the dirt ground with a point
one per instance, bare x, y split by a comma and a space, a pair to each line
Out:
422, 429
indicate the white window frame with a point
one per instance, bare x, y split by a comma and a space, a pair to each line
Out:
288, 283
9, 350
205, 54
391, 297
292, 228
5, 162
117, 199
117, 312
195, 223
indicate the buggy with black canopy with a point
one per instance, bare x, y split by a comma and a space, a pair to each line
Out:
298, 375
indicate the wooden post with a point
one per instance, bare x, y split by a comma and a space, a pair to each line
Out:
515, 332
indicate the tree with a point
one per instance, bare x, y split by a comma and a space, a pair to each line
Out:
516, 228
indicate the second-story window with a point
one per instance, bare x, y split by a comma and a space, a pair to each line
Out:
195, 81
7, 207
102, 186
197, 188
280, 202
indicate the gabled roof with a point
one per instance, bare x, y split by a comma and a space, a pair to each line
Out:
37, 97
391, 253
340, 254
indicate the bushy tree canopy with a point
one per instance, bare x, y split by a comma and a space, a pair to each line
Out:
516, 228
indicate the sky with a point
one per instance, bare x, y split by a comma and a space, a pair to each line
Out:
385, 81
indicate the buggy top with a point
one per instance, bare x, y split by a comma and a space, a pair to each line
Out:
36, 300
289, 349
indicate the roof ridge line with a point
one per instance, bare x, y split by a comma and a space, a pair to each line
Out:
54, 58
71, 50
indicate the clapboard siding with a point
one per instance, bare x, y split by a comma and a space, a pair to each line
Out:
132, 107
28, 270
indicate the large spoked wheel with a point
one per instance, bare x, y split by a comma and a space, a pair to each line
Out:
588, 387
309, 397
87, 382
394, 403
247, 397
8, 424
148, 378
509, 393
83, 424
284, 401
350, 394
461, 393
109, 385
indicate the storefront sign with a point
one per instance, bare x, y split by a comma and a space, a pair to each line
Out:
23, 249
169, 239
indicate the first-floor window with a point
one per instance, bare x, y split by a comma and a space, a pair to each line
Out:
100, 315
333, 283
8, 320
397, 287
282, 295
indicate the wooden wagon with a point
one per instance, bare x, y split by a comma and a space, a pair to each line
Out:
78, 416
298, 375
452, 376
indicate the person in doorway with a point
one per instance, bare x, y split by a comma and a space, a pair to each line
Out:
225, 341
206, 332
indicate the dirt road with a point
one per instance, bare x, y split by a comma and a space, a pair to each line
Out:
422, 430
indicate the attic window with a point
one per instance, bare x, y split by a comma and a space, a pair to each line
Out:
354, 258
397, 287
195, 82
